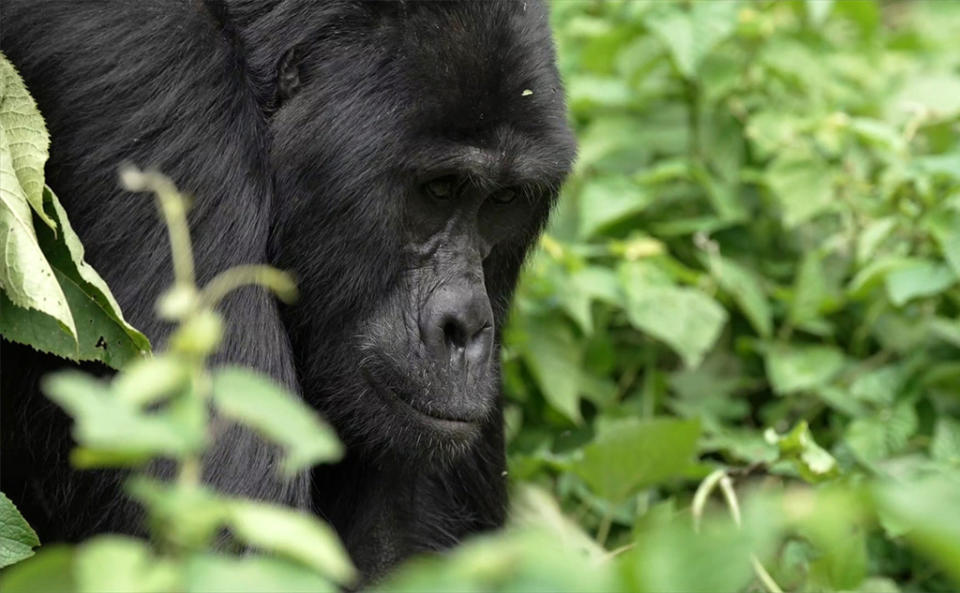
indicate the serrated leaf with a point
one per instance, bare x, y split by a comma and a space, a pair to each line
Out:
65, 253
293, 534
26, 277
23, 140
258, 402
879, 436
99, 337
17, 538
632, 453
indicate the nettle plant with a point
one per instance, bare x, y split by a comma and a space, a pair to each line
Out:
169, 406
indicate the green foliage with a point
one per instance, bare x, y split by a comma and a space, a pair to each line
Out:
167, 407
50, 298
17, 539
755, 264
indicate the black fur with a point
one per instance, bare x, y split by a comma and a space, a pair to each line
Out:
306, 130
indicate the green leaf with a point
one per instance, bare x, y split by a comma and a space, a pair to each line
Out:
554, 358
211, 573
258, 402
792, 368
631, 453
26, 278
872, 236
809, 290
65, 253
50, 570
876, 437
17, 538
945, 445
115, 427
691, 35
675, 559
928, 508
608, 200
24, 141
802, 185
686, 319
123, 564
518, 560
101, 332
945, 228
293, 534
923, 278
744, 285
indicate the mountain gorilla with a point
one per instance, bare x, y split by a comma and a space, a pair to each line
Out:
399, 157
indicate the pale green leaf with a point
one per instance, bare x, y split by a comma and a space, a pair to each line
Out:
24, 141
112, 563
210, 573
293, 534
260, 403
117, 428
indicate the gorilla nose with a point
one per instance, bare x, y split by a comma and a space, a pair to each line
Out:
458, 325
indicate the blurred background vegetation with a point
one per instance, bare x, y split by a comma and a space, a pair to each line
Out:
762, 234
733, 362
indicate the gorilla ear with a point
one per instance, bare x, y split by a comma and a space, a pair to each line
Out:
288, 76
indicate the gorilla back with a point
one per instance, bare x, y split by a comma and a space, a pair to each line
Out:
400, 157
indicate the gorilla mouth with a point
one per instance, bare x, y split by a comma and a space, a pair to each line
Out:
405, 407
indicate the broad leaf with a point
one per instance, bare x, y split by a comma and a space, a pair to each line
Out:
631, 453
686, 319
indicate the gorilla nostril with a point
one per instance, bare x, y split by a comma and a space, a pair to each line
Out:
454, 334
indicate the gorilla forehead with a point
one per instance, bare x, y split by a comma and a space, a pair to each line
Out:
416, 81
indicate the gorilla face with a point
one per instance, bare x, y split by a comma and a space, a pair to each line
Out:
418, 149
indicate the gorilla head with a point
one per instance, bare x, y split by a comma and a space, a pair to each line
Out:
417, 150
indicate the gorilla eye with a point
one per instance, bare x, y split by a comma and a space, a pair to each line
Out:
441, 188
504, 196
